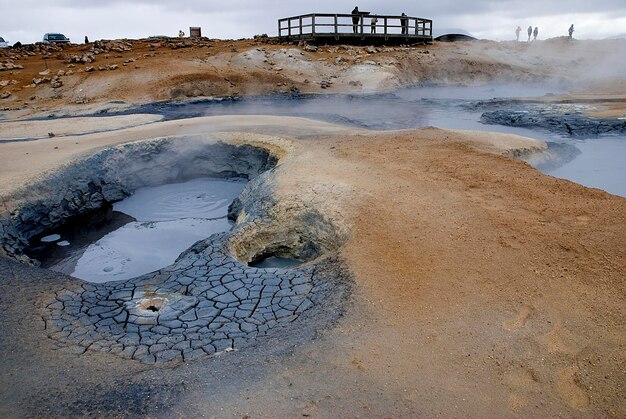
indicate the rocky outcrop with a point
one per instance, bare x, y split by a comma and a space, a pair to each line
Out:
570, 124
104, 46
282, 228
9, 65
81, 59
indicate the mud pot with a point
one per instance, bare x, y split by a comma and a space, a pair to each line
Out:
126, 220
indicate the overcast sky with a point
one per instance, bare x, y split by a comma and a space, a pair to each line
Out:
27, 20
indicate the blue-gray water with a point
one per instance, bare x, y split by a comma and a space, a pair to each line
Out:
601, 162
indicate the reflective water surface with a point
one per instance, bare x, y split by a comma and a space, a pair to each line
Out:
601, 162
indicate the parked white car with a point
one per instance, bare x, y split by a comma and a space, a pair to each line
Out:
3, 43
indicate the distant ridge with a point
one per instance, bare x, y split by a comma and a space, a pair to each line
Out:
437, 32
454, 37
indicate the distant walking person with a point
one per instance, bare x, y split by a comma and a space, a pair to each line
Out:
517, 31
404, 22
356, 18
571, 31
530, 32
373, 23
535, 33
86, 39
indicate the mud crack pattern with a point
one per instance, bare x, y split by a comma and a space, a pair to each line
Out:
205, 303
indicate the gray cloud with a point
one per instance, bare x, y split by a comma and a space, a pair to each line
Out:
27, 20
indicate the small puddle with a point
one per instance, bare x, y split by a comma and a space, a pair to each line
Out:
61, 250
600, 165
276, 262
142, 233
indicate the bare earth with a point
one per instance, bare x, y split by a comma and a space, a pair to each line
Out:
153, 70
482, 287
16, 130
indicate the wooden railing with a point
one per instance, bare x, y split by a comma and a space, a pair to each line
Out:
322, 25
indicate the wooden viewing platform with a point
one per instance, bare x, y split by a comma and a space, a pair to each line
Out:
324, 27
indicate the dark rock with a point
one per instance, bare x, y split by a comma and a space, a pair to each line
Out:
574, 125
234, 209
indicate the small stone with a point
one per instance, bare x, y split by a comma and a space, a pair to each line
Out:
128, 352
114, 313
157, 347
129, 339
161, 330
143, 320
188, 316
222, 345
305, 305
226, 298
121, 295
185, 280
98, 310
280, 313
172, 324
302, 289
168, 356
234, 285
193, 354
181, 346
247, 327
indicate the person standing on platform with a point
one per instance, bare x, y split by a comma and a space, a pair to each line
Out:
404, 22
356, 18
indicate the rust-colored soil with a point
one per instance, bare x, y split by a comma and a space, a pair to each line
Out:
141, 71
483, 288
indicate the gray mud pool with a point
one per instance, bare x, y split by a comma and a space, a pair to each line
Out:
141, 233
591, 157
165, 280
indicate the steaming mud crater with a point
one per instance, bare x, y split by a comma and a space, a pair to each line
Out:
207, 301
169, 219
